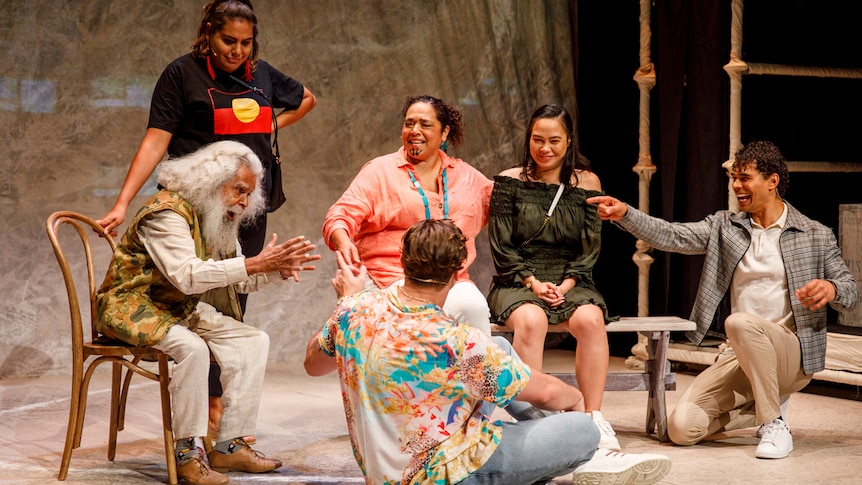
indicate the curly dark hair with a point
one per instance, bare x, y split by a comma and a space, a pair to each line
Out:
767, 159
216, 14
432, 251
446, 114
572, 160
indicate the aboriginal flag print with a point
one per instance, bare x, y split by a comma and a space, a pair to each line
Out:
239, 113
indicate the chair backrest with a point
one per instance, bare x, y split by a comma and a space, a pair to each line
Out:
86, 229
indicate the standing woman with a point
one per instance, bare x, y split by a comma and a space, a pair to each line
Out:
545, 240
419, 181
221, 90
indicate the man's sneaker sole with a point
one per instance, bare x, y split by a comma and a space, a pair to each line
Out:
774, 454
644, 473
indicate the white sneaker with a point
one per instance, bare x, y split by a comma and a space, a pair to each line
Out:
612, 468
777, 442
608, 440
759, 432
784, 401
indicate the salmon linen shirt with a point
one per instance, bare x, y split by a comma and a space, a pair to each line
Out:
382, 202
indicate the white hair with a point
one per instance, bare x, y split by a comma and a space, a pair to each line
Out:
199, 176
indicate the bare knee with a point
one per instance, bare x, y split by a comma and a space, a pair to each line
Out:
530, 326
586, 322
529, 320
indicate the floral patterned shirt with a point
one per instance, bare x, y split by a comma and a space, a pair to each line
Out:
413, 383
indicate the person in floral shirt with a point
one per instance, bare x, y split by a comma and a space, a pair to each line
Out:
419, 389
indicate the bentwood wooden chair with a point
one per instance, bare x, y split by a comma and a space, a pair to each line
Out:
91, 349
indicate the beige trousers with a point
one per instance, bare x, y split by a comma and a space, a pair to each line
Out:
745, 385
241, 352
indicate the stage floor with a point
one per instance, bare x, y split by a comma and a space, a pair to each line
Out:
301, 422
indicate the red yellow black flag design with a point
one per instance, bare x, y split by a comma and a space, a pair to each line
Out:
239, 113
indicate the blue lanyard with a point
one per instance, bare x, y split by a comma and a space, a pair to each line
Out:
425, 199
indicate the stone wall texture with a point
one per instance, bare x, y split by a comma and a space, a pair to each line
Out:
74, 101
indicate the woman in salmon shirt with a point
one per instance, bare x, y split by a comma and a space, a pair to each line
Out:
392, 192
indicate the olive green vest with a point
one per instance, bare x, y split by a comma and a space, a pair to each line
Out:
136, 304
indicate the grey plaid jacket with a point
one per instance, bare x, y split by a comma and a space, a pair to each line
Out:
809, 249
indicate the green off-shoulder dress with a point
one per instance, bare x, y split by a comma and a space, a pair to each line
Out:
568, 245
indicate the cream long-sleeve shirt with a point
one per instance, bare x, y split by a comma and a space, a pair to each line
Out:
166, 236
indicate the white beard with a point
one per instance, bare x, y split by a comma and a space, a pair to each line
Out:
220, 232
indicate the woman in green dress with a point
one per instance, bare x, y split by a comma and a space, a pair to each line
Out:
545, 240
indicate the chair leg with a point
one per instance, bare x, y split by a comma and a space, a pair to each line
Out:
72, 428
78, 404
82, 400
124, 397
167, 421
124, 394
116, 378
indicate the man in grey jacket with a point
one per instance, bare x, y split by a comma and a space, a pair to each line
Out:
779, 270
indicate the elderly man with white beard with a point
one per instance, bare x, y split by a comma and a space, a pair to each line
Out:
178, 252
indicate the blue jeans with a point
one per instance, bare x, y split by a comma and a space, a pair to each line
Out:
537, 450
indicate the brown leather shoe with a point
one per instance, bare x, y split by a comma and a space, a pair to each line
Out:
195, 471
245, 460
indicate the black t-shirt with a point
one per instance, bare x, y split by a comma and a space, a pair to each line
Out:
199, 110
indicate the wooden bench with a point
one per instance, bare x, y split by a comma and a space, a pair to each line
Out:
656, 377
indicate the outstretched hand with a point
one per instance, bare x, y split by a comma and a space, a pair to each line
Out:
287, 258
609, 209
346, 248
348, 279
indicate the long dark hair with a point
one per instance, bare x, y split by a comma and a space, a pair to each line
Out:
217, 14
572, 160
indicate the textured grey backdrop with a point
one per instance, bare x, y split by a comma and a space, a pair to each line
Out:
74, 98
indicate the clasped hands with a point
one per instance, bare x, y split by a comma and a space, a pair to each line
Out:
548, 292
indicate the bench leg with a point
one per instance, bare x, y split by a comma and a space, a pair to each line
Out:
656, 368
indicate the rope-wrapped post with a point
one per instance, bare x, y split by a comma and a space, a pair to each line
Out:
735, 69
644, 168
